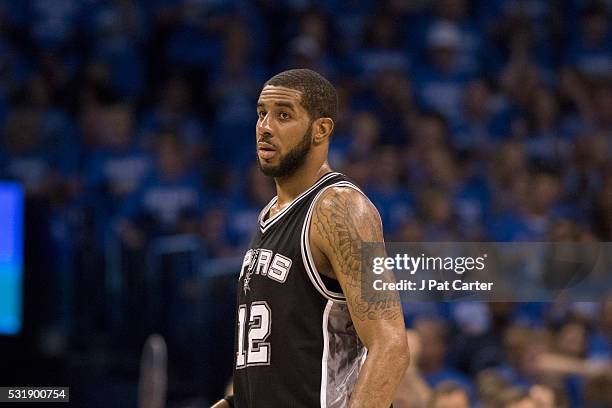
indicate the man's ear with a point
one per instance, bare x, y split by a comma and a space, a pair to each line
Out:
322, 129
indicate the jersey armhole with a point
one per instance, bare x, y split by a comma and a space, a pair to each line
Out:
309, 265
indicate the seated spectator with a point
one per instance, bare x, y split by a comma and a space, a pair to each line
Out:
238, 80
382, 49
482, 122
364, 137
449, 395
591, 53
522, 76
440, 83
28, 159
168, 202
384, 189
477, 342
432, 361
523, 347
214, 231
567, 361
600, 344
585, 176
388, 97
410, 230
114, 37
428, 132
412, 391
469, 194
195, 38
597, 391
235, 88
547, 143
436, 211
457, 12
57, 129
309, 48
514, 397
256, 192
489, 385
117, 166
538, 202
54, 26
525, 45
174, 113
537, 396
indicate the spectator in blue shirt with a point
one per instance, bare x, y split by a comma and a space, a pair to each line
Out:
14, 68
600, 344
547, 142
174, 113
432, 360
389, 97
118, 166
365, 135
591, 52
28, 159
116, 30
530, 219
237, 82
255, 193
456, 12
195, 31
440, 83
585, 175
310, 46
483, 122
382, 49
435, 208
54, 24
394, 203
508, 173
168, 202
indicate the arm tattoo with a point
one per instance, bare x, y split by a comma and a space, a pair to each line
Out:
346, 224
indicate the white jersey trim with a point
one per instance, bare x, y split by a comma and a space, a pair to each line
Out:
325, 355
265, 210
307, 259
265, 225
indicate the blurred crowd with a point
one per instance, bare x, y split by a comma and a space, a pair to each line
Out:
506, 363
463, 120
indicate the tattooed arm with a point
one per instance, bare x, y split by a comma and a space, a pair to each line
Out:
342, 222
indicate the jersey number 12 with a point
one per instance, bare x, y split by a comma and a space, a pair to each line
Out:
259, 325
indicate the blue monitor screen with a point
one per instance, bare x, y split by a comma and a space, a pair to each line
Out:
11, 257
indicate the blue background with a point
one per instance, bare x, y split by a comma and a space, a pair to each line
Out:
11, 257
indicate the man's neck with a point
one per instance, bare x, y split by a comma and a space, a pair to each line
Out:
288, 188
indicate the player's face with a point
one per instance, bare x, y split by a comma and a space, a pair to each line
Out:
283, 131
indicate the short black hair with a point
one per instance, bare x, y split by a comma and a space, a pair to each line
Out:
319, 97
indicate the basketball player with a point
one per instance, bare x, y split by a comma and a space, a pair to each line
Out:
305, 336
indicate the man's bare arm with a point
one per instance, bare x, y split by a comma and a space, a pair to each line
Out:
342, 222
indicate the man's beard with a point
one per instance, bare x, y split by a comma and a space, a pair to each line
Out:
292, 161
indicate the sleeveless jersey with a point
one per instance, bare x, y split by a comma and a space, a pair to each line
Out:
295, 343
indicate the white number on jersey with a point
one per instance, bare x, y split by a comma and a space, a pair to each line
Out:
260, 323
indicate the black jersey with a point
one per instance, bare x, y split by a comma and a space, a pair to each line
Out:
295, 344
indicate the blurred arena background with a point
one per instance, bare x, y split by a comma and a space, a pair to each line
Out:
130, 127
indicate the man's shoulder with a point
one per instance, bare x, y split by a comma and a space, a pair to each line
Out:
345, 198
